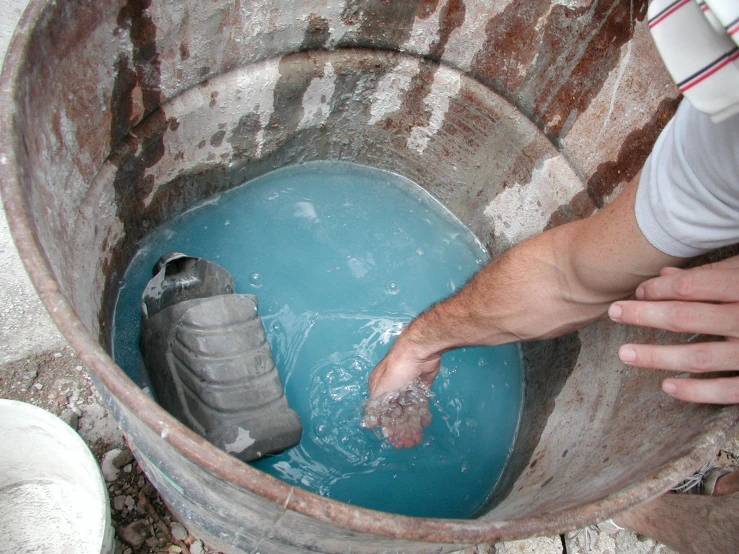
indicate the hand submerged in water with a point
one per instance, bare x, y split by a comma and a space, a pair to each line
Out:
399, 393
700, 300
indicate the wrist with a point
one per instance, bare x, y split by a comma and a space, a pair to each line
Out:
414, 345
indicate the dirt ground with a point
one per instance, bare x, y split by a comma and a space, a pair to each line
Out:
59, 383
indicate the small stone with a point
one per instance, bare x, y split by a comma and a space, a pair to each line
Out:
110, 471
113, 461
26, 378
125, 457
128, 551
57, 354
178, 531
152, 542
141, 482
61, 400
134, 534
70, 418
127, 468
129, 501
38, 386
78, 368
197, 547
119, 503
174, 549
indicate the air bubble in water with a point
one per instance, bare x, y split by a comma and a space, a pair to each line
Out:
419, 251
320, 428
255, 280
392, 288
276, 327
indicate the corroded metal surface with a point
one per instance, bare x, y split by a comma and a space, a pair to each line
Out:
518, 116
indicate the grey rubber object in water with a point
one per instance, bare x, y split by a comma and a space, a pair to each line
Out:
209, 362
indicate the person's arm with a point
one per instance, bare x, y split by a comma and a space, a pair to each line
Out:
544, 287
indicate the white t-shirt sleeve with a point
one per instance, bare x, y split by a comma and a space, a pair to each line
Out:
687, 202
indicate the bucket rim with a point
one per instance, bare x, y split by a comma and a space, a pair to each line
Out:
201, 452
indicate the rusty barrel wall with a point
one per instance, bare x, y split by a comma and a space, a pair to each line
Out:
518, 116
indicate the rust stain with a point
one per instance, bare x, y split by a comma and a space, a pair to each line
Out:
121, 100
451, 17
243, 137
581, 205
426, 8
317, 33
133, 154
530, 157
634, 152
143, 33
553, 74
414, 111
510, 45
578, 74
376, 24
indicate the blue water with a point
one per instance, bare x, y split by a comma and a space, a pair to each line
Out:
341, 257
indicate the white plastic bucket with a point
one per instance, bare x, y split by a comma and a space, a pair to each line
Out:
53, 497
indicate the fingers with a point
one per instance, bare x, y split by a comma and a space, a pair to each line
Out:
696, 358
669, 270
683, 301
401, 415
681, 317
704, 391
703, 284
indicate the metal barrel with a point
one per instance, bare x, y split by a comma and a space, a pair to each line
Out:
117, 116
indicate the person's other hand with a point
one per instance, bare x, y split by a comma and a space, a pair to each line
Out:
403, 419
701, 300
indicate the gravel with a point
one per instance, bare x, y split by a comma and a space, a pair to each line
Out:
58, 382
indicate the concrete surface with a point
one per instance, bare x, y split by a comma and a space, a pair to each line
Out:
25, 326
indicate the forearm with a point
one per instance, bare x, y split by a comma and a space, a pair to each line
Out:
547, 286
525, 294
